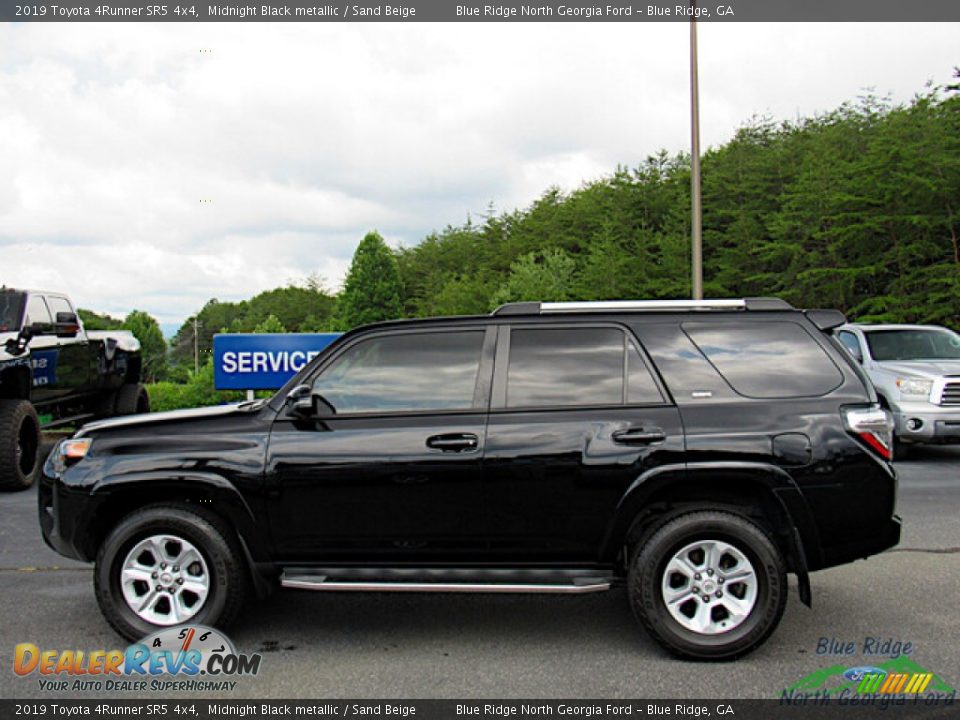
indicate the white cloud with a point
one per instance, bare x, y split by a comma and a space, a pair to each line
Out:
300, 138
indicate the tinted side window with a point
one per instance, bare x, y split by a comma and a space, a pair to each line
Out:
776, 359
58, 305
850, 342
556, 367
407, 372
37, 312
11, 305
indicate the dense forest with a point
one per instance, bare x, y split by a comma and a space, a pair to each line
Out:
855, 209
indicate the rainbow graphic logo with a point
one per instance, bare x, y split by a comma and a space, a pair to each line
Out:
895, 678
894, 682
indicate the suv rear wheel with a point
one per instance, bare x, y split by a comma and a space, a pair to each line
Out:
708, 585
168, 565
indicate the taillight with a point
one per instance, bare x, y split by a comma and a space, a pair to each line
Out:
874, 426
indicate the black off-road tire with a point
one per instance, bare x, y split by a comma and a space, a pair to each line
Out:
106, 405
207, 532
131, 399
648, 564
19, 444
902, 450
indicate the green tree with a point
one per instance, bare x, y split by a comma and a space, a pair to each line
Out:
97, 321
153, 347
292, 305
313, 324
373, 290
270, 324
547, 276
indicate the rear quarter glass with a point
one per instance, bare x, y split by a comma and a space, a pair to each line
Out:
767, 359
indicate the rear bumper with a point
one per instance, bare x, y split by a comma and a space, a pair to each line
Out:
856, 514
883, 538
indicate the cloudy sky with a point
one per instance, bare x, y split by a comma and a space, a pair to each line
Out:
155, 166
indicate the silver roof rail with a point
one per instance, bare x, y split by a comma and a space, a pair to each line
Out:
535, 308
564, 307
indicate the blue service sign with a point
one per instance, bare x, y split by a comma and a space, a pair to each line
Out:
263, 361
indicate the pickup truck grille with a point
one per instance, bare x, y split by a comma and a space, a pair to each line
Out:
950, 394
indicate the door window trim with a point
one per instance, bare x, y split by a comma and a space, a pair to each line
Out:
481, 389
498, 402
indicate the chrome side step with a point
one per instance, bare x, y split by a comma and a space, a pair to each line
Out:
323, 583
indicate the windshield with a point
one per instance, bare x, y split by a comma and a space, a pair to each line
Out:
926, 344
11, 307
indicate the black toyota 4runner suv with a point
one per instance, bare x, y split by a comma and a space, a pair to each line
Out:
696, 452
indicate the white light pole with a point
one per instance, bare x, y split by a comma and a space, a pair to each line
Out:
696, 208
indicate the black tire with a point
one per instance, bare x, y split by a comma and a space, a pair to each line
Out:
106, 405
19, 444
649, 563
228, 580
901, 450
131, 399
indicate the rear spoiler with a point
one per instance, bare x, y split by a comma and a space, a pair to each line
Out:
826, 320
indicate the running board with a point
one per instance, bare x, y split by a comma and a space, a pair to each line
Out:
330, 583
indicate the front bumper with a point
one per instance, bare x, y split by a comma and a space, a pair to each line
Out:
60, 511
937, 424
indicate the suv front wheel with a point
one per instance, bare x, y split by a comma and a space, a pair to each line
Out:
169, 565
708, 585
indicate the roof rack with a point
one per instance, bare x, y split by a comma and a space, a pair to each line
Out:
547, 308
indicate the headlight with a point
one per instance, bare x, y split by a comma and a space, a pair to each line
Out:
70, 452
914, 387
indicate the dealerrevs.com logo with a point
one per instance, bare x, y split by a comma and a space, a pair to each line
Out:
178, 659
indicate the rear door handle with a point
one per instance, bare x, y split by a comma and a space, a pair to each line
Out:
639, 436
454, 442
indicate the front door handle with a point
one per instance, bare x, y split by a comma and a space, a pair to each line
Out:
454, 442
639, 436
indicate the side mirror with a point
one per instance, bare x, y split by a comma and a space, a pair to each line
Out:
18, 345
67, 325
304, 403
300, 401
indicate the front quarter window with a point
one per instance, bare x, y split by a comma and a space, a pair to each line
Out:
406, 372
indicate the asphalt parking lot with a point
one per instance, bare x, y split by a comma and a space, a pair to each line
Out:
487, 646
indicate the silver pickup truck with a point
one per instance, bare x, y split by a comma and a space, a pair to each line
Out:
916, 371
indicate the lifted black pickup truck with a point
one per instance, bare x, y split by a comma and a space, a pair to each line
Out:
53, 372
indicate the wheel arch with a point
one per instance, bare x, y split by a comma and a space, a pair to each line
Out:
762, 492
205, 493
